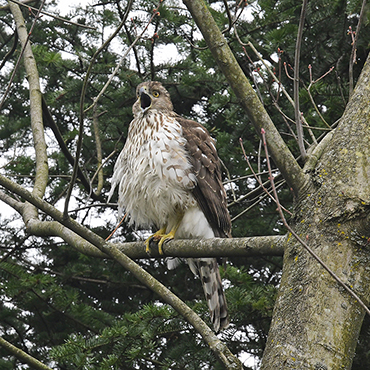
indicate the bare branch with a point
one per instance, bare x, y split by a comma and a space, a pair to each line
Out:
23, 356
258, 178
219, 349
118, 66
99, 155
227, 63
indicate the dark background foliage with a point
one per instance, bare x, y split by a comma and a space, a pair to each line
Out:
72, 311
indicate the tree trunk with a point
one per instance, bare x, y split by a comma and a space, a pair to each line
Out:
316, 323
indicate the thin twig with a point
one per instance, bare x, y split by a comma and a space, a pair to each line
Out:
229, 177
258, 201
239, 178
53, 15
116, 228
257, 177
118, 66
280, 85
251, 193
233, 21
305, 245
312, 82
82, 103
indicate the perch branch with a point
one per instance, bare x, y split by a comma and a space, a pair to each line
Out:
220, 350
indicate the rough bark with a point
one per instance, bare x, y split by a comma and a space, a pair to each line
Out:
315, 322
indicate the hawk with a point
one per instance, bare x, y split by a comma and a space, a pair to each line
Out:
169, 177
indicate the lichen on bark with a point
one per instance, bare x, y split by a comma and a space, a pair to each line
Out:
316, 323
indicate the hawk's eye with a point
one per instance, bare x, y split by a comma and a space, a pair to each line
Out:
155, 94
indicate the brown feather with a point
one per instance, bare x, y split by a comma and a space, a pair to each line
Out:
209, 191
168, 167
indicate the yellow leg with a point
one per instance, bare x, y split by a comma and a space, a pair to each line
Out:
170, 235
157, 235
162, 236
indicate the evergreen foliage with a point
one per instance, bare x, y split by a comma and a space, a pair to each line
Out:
72, 311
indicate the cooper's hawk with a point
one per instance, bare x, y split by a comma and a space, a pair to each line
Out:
169, 177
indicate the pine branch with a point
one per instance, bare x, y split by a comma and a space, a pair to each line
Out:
220, 350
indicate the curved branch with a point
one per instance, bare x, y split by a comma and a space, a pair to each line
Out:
220, 350
227, 63
23, 356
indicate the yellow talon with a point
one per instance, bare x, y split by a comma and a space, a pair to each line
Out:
156, 236
164, 238
161, 236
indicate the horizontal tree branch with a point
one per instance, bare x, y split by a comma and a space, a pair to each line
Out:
189, 248
219, 348
216, 247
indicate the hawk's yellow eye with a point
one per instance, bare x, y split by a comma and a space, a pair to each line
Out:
155, 94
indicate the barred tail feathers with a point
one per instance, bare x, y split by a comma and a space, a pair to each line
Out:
207, 270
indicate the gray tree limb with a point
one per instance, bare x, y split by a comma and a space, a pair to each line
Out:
249, 100
220, 350
23, 356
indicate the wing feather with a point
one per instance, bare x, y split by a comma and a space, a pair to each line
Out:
209, 191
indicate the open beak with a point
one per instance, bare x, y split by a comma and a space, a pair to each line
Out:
145, 100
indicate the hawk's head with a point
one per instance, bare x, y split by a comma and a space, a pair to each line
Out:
152, 95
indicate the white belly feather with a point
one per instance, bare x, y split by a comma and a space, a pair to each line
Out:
155, 177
